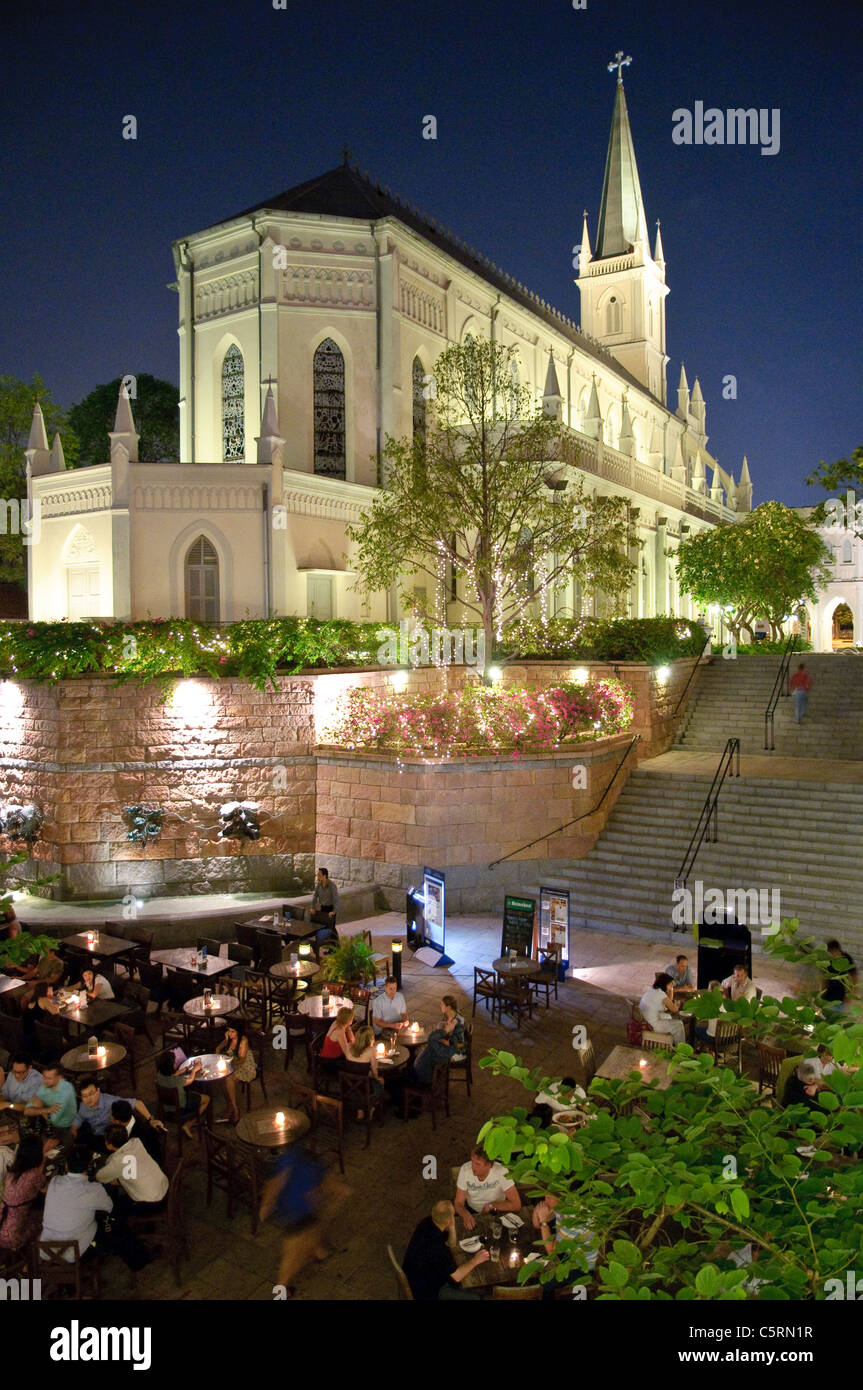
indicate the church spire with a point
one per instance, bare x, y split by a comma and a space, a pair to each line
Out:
552, 400
658, 253
621, 215
124, 435
683, 394
585, 255
37, 453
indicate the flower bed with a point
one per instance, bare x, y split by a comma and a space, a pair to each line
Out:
480, 719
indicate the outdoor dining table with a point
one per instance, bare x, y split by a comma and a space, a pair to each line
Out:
184, 958
392, 1060
313, 1006
219, 1006
214, 1067
303, 970
259, 1127
514, 1245
98, 944
521, 968
8, 982
623, 1060
412, 1038
292, 927
110, 1054
97, 1014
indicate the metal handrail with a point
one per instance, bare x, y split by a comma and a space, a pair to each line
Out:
709, 818
781, 678
583, 816
705, 645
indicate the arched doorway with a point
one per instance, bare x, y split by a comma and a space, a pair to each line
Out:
843, 627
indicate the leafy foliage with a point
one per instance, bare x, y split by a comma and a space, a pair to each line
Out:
156, 413
764, 565
670, 1184
351, 960
841, 474
480, 718
16, 415
484, 491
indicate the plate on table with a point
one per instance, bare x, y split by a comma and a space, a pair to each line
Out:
512, 1221
470, 1244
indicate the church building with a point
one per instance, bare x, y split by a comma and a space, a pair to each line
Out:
309, 327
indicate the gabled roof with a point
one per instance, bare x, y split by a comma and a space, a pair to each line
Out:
347, 192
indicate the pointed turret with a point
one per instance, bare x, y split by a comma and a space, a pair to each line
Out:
698, 410
593, 418
683, 394
656, 457
270, 442
716, 489
58, 458
744, 489
37, 453
678, 462
699, 478
621, 215
627, 438
124, 435
658, 254
585, 255
552, 400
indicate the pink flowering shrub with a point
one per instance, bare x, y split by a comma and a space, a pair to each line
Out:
480, 718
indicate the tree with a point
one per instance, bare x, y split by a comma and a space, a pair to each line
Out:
843, 473
156, 412
483, 489
16, 416
662, 1191
762, 566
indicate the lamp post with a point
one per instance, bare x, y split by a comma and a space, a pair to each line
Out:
397, 947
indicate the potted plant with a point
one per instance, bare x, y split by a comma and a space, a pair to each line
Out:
352, 960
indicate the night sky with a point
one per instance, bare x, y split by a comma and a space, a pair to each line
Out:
235, 102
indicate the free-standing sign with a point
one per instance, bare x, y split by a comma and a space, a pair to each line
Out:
554, 920
519, 918
435, 908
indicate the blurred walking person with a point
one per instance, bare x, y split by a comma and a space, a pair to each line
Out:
800, 685
302, 1195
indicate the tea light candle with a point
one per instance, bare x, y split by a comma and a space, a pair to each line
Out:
381, 1049
280, 1119
414, 1027
100, 1051
305, 951
222, 1065
642, 1061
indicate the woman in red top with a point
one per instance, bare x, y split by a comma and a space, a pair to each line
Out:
340, 1036
800, 685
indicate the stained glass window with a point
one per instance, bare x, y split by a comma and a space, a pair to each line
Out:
329, 387
233, 405
202, 582
419, 401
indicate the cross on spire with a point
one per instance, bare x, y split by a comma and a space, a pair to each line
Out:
620, 63
269, 381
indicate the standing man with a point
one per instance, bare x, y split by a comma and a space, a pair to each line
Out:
325, 901
800, 685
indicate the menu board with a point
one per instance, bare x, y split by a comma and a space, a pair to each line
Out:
519, 915
435, 909
554, 920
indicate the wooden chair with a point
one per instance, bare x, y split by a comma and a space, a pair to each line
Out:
727, 1038
355, 1093
167, 1227
382, 962
259, 1044
247, 936
49, 1039
359, 994
301, 1098
787, 1068
521, 1293
547, 980
138, 997
329, 1116
769, 1062
254, 995
404, 1289
323, 1077
59, 1273
214, 947
243, 958
234, 1169
485, 988
270, 950
126, 1036
433, 1097
10, 1033
172, 1114
296, 1035
463, 1071
514, 998
656, 1042
284, 995
587, 1063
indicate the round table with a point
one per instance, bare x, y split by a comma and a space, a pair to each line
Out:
303, 970
79, 1060
520, 968
209, 1067
393, 1061
220, 1004
258, 1127
312, 1006
412, 1038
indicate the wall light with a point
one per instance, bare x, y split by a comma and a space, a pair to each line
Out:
399, 680
580, 675
11, 697
192, 701
662, 673
495, 672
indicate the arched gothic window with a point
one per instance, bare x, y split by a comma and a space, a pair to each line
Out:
329, 405
233, 405
419, 402
202, 582
613, 315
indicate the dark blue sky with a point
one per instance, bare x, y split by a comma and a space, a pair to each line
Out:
237, 101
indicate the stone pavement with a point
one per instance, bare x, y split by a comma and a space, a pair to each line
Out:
388, 1191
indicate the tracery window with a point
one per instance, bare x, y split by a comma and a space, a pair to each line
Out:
233, 405
329, 410
419, 402
202, 582
613, 317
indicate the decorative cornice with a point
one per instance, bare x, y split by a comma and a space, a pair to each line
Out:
191, 498
327, 286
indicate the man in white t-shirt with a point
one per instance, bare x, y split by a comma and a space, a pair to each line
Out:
657, 1005
389, 1010
484, 1186
738, 985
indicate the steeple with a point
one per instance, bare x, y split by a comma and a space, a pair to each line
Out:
552, 400
698, 411
621, 214
683, 394
716, 488
124, 435
658, 254
58, 458
627, 438
586, 255
744, 489
593, 419
270, 442
37, 453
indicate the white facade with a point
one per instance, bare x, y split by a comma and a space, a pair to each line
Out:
827, 631
304, 326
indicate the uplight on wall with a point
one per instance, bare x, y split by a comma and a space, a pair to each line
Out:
399, 680
192, 701
11, 697
495, 673
662, 674
580, 675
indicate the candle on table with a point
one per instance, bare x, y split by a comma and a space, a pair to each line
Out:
381, 1049
222, 1065
100, 1052
642, 1061
280, 1119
